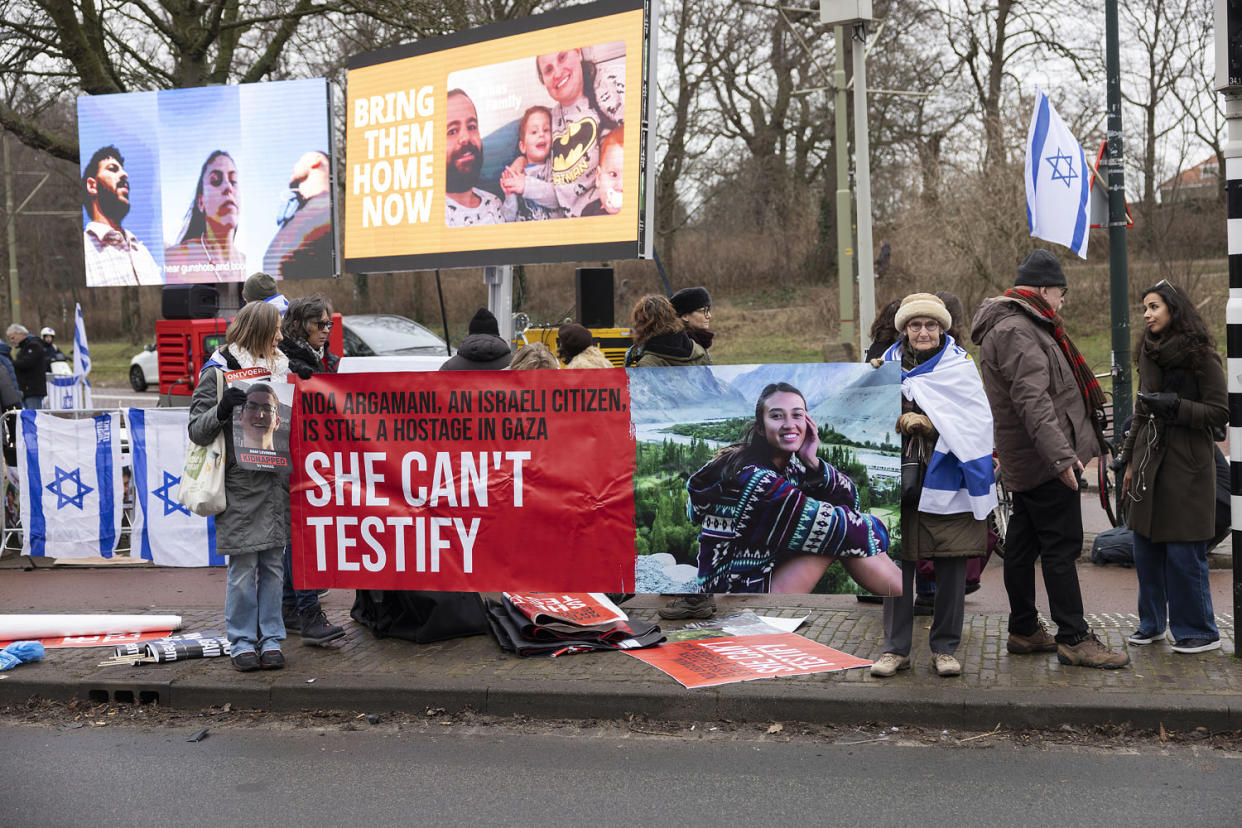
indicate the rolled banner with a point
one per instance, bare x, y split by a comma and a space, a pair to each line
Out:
139, 648
13, 627
169, 649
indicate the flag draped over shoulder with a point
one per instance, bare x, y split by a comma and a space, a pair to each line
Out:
70, 474
960, 476
1057, 180
165, 532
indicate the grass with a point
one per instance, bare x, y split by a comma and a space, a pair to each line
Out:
110, 361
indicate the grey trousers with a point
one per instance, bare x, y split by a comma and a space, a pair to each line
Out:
946, 628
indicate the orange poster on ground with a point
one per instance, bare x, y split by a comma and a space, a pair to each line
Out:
711, 661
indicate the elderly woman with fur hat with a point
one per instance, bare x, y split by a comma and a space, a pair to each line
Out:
948, 485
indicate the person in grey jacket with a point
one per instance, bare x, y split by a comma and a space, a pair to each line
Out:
1042, 396
253, 529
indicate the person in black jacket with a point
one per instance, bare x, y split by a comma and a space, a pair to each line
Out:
29, 357
306, 326
482, 349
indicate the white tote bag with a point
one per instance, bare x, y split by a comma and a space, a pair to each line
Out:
202, 480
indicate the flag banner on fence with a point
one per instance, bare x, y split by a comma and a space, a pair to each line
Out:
71, 484
66, 392
476, 481
1057, 180
165, 532
708, 662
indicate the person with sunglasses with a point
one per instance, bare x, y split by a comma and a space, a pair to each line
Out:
1046, 407
1170, 480
306, 327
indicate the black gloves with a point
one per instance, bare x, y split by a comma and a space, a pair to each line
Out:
1162, 404
301, 369
232, 398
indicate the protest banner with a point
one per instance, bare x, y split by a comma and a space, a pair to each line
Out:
712, 661
475, 481
461, 148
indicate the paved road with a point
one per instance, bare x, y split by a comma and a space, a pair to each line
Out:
133, 777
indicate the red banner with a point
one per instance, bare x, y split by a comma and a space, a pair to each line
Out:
710, 661
474, 481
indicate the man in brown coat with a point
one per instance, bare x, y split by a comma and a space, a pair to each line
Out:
1039, 389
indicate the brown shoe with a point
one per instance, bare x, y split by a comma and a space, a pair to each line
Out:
1039, 641
1091, 652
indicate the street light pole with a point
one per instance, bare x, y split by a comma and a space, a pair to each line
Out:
1119, 290
10, 227
862, 175
845, 238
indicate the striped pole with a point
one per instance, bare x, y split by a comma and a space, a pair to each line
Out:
1229, 84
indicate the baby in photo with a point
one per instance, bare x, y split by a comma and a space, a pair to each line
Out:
608, 176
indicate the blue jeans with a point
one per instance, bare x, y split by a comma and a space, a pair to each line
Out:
252, 618
299, 599
35, 403
1173, 584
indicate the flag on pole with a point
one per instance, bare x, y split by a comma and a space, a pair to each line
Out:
81, 357
70, 472
1057, 180
164, 531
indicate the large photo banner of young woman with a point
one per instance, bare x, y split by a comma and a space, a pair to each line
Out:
752, 478
207, 184
521, 142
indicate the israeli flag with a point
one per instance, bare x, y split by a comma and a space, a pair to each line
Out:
164, 531
81, 351
70, 473
66, 393
1057, 180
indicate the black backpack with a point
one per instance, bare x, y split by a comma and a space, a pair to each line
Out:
1114, 546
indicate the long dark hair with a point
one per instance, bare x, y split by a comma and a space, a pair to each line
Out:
196, 221
753, 448
589, 71
1184, 320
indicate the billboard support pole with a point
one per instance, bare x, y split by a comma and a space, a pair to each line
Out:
845, 239
499, 281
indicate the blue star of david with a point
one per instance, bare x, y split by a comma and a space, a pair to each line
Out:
57, 487
164, 495
1069, 175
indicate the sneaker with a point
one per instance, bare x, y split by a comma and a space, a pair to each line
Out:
322, 593
1140, 638
1196, 645
972, 587
246, 662
925, 604
316, 629
1091, 652
1039, 641
272, 660
888, 665
293, 621
689, 606
946, 664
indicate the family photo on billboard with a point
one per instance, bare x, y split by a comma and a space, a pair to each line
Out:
169, 204
536, 139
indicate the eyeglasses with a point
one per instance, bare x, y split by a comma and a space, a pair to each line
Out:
259, 408
923, 326
323, 324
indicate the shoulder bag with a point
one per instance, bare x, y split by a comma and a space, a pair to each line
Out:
202, 479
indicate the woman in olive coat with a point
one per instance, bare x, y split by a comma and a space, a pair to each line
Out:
1170, 482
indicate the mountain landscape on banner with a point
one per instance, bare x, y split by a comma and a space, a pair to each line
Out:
855, 399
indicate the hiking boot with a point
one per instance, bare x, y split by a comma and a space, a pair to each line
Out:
888, 664
1091, 652
689, 606
1037, 642
946, 664
272, 660
316, 629
246, 662
293, 621
1196, 645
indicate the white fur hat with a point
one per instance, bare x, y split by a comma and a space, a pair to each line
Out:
922, 304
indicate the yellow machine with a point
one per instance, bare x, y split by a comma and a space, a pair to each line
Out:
614, 342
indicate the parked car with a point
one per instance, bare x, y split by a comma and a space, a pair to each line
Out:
144, 369
372, 342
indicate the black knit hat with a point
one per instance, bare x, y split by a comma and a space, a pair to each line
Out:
1040, 269
688, 300
483, 323
573, 339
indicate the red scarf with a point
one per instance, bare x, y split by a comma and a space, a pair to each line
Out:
1092, 394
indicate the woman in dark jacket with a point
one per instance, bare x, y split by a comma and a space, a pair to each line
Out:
660, 338
305, 329
253, 529
1170, 480
946, 428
